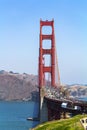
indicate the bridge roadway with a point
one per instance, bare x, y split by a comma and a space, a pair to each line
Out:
58, 107
54, 105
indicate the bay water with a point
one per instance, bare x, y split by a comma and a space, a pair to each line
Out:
14, 114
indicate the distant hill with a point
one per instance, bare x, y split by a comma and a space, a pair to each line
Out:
78, 90
15, 86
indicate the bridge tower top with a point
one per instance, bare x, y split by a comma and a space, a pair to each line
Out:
42, 68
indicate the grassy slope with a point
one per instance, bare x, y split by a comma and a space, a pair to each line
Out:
68, 124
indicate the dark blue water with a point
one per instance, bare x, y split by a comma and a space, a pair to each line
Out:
13, 115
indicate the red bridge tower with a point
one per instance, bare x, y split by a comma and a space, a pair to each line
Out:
42, 68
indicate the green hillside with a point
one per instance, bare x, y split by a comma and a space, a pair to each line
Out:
67, 124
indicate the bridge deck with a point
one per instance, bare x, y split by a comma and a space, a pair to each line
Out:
75, 106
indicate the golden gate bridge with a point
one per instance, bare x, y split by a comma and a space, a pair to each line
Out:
52, 105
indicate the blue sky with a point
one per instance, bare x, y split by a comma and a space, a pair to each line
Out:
19, 36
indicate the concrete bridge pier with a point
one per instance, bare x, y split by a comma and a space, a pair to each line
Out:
43, 107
